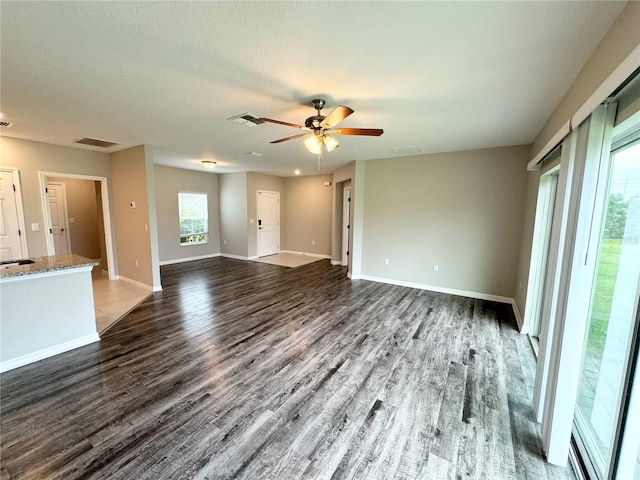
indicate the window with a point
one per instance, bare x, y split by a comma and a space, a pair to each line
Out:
194, 218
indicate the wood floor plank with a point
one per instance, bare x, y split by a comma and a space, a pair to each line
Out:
246, 370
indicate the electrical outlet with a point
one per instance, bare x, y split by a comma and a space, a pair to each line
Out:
137, 263
224, 242
436, 268
386, 261
313, 242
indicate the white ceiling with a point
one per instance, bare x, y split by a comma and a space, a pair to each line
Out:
440, 76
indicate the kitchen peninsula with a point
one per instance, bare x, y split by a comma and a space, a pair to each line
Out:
46, 308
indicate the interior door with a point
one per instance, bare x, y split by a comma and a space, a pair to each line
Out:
268, 223
59, 224
10, 241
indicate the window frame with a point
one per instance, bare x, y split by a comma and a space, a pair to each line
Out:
205, 233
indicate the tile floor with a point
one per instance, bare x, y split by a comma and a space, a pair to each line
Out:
291, 260
113, 299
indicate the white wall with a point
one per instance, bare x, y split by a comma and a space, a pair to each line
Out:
170, 181
461, 211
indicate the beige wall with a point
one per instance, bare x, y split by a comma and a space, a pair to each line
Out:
32, 157
307, 214
255, 182
233, 213
461, 210
133, 240
616, 45
170, 181
82, 209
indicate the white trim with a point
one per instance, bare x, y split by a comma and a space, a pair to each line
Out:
564, 130
305, 254
433, 288
353, 277
613, 81
188, 259
257, 257
336, 263
516, 313
137, 283
106, 214
49, 352
236, 257
48, 273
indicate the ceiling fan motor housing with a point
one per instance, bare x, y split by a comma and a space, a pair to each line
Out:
314, 122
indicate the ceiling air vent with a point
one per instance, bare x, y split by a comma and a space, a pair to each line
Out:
245, 119
405, 150
6, 124
94, 142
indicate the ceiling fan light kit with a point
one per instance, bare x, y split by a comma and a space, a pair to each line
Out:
318, 128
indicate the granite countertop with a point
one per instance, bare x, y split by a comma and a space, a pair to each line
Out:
47, 264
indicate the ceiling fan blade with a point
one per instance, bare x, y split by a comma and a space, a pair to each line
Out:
370, 132
336, 116
290, 138
279, 122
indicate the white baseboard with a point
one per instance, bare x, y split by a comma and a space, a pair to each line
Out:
336, 263
253, 258
516, 312
306, 254
48, 352
134, 282
235, 257
188, 259
157, 288
433, 288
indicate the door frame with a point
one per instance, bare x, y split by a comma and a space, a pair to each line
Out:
106, 213
15, 178
258, 192
67, 229
346, 224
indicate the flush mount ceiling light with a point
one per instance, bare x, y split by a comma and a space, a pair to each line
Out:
209, 163
297, 171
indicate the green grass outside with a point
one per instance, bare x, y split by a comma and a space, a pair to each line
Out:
607, 272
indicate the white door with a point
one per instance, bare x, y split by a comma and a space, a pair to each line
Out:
346, 215
11, 245
268, 223
56, 194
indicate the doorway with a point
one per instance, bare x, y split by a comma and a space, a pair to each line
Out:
13, 241
346, 224
59, 215
77, 217
268, 208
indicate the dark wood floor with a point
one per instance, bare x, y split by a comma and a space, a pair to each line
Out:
246, 370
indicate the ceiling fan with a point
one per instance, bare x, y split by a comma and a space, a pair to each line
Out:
318, 128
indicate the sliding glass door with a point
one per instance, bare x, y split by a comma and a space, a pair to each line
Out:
611, 345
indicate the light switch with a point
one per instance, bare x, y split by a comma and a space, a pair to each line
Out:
132, 204
251, 220
72, 220
35, 227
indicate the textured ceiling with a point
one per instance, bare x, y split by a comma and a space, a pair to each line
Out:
439, 76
